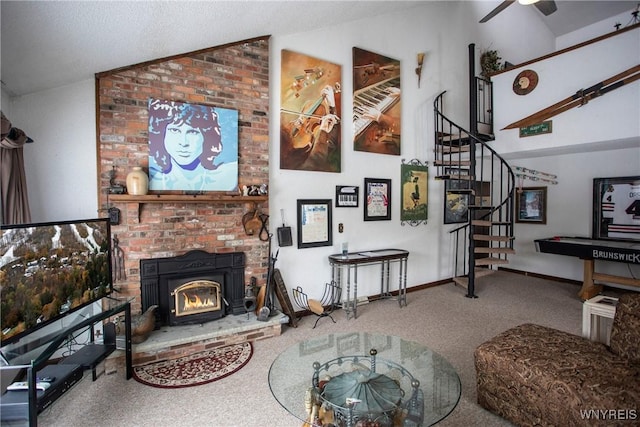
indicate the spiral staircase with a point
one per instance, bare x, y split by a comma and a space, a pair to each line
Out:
482, 180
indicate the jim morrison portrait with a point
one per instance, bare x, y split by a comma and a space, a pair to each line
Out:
192, 147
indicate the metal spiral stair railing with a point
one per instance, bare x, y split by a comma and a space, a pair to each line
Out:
486, 239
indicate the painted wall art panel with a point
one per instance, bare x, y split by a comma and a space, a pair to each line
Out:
414, 197
192, 147
310, 113
376, 103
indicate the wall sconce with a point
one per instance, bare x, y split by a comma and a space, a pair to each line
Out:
419, 68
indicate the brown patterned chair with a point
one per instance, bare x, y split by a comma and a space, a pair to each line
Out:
533, 375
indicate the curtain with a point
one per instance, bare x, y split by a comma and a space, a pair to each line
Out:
13, 181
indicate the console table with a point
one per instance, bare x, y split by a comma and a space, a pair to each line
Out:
353, 260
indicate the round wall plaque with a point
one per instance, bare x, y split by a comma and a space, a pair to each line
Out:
525, 82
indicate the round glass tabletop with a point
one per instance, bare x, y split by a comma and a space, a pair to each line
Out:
291, 374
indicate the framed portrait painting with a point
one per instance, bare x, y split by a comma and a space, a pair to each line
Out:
192, 148
377, 206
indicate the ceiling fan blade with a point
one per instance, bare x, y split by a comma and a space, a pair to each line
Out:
547, 7
502, 6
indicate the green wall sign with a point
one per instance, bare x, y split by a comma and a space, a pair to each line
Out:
537, 129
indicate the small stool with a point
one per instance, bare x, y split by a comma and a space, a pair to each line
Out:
598, 329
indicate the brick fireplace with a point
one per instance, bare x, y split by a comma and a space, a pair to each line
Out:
232, 76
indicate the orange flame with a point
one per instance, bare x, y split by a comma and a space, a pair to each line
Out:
194, 302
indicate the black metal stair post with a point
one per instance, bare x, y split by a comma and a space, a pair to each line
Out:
473, 128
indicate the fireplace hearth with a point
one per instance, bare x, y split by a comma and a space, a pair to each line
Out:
196, 287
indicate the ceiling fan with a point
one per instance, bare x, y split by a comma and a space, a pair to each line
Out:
547, 7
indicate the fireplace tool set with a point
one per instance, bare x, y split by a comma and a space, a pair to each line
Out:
268, 308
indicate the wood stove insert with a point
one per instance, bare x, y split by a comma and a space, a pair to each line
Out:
196, 287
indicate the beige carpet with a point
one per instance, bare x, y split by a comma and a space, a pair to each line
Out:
440, 317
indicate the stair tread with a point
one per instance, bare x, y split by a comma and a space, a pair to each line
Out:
489, 238
486, 223
485, 250
448, 149
479, 272
462, 281
491, 261
452, 163
463, 137
456, 177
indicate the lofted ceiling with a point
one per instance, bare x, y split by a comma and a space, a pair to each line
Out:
47, 44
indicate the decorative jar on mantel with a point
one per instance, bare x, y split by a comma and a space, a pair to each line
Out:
137, 182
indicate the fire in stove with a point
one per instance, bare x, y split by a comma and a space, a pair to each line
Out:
197, 296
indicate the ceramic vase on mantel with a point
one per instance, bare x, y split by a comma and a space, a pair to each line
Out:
137, 182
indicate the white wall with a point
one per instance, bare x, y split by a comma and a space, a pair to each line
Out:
61, 164
5, 101
600, 139
613, 116
441, 29
570, 209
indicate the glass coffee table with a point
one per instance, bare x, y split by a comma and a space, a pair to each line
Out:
344, 378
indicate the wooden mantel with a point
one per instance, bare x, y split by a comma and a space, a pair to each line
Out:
185, 198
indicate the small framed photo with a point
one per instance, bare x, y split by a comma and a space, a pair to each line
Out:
531, 205
314, 223
377, 206
347, 196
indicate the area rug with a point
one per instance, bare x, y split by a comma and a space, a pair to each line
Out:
195, 369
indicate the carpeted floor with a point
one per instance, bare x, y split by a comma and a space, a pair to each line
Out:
440, 317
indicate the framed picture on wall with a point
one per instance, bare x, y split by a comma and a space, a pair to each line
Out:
314, 223
347, 196
376, 103
192, 147
456, 202
377, 206
616, 208
414, 196
310, 113
531, 205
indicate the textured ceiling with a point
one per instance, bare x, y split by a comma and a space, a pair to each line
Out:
47, 44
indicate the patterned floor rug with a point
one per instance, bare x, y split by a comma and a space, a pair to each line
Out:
195, 369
